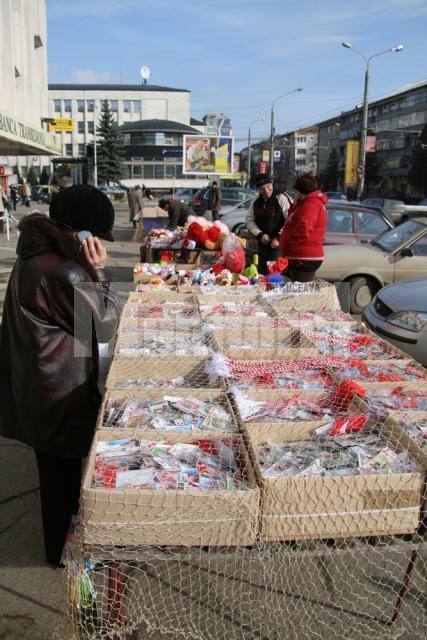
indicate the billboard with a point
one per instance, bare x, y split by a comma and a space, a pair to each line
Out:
351, 162
62, 124
208, 154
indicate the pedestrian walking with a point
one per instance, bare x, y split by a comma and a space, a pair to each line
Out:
3, 209
136, 204
25, 193
13, 195
214, 200
301, 241
58, 307
265, 220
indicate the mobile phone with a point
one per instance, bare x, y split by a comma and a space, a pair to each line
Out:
83, 235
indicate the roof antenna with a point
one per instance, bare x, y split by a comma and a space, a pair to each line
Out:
145, 74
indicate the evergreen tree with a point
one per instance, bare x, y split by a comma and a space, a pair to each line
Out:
418, 173
32, 177
44, 177
19, 179
109, 148
329, 177
373, 166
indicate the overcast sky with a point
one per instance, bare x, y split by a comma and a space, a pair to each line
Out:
237, 56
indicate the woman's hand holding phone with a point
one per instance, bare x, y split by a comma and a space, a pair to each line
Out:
95, 252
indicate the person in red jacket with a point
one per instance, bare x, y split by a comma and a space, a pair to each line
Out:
301, 240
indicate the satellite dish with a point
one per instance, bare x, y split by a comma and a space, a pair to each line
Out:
145, 73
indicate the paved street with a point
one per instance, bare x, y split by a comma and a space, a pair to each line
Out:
32, 595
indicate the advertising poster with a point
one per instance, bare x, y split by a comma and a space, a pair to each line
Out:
351, 162
208, 154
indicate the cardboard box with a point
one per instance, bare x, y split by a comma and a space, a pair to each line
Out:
265, 355
313, 296
188, 518
153, 298
133, 343
299, 508
156, 367
256, 337
218, 396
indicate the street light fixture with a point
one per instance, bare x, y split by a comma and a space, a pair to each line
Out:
272, 131
362, 155
249, 147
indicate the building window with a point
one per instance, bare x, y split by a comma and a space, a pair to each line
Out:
80, 126
301, 152
90, 105
137, 171
67, 106
301, 139
91, 126
82, 149
137, 106
126, 106
37, 42
57, 106
80, 106
68, 149
114, 105
300, 163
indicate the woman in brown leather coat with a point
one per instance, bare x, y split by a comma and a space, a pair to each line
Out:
58, 307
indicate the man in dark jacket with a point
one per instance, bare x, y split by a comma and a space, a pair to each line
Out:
178, 212
214, 200
58, 306
265, 220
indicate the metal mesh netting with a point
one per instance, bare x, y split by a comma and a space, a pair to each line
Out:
269, 486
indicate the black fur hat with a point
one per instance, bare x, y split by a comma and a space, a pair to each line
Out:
83, 207
262, 179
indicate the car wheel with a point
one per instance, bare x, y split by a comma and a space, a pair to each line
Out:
362, 290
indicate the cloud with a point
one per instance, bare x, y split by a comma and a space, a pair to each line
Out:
87, 76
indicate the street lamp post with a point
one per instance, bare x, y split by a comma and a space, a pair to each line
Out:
272, 130
95, 150
362, 155
249, 147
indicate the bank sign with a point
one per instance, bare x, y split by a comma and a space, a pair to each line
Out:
18, 131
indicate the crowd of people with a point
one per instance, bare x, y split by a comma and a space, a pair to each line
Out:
291, 227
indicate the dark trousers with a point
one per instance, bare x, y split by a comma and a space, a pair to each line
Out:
60, 480
266, 254
302, 271
215, 214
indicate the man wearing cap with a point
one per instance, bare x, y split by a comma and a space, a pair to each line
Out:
265, 220
301, 241
177, 211
214, 201
58, 307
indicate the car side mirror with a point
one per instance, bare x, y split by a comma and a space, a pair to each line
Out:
407, 253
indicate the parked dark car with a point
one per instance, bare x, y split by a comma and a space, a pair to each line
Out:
186, 195
336, 195
398, 313
348, 224
229, 196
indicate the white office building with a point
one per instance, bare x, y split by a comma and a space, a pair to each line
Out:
129, 103
23, 83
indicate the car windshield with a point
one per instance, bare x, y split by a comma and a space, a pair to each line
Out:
390, 240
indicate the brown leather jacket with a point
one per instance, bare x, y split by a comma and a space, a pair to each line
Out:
54, 314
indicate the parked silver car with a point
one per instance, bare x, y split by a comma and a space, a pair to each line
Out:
399, 313
398, 254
